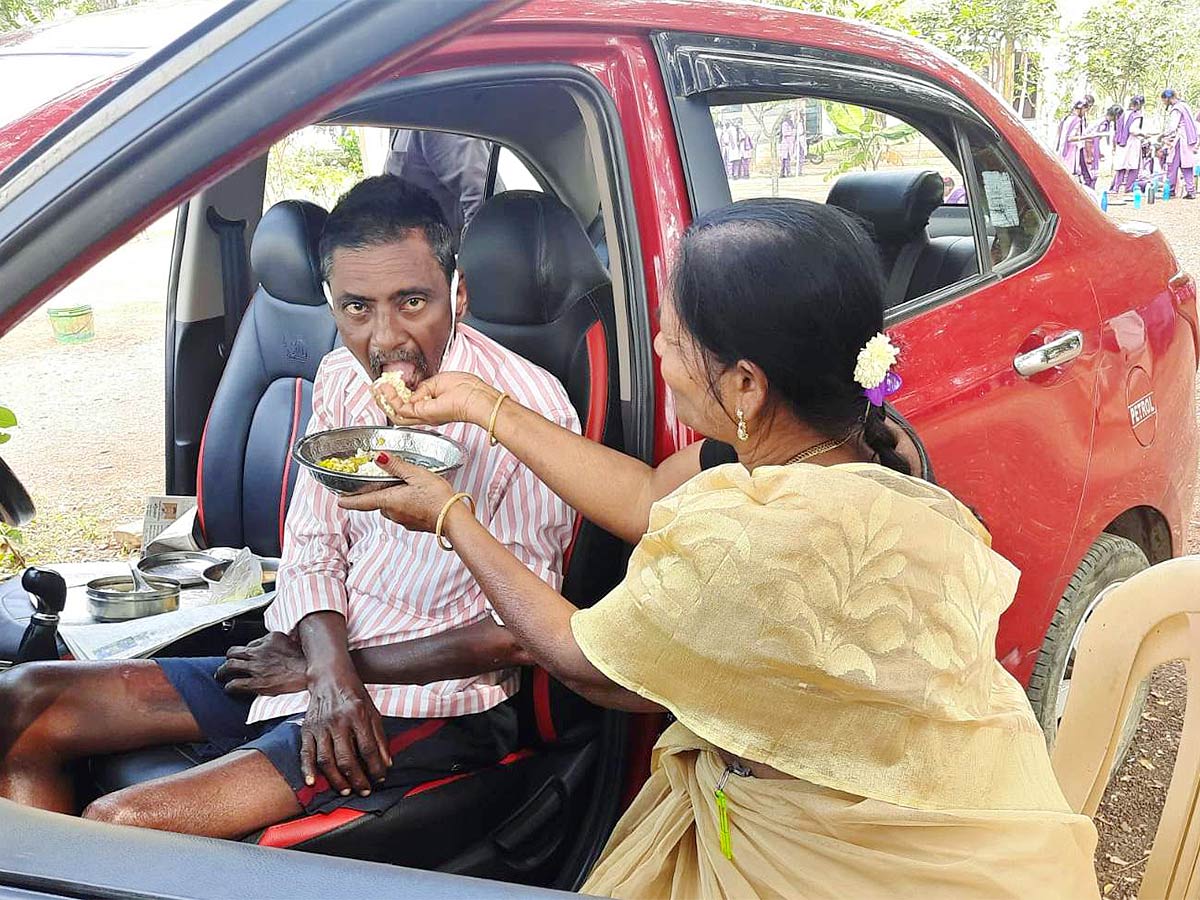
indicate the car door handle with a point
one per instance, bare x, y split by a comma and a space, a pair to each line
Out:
1057, 352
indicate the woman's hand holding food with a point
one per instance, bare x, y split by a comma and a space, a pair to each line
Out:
416, 504
446, 397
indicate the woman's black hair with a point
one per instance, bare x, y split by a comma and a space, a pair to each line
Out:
796, 288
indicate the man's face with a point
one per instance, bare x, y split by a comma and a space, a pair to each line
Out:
391, 304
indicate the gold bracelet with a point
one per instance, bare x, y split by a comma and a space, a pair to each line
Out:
441, 519
492, 421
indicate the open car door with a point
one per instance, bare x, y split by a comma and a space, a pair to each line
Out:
218, 96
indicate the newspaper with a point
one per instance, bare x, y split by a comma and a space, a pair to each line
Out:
161, 511
140, 638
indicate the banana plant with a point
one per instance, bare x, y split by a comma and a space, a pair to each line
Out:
864, 140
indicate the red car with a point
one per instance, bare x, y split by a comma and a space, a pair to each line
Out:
1052, 392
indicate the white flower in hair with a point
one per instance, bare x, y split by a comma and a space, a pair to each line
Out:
875, 361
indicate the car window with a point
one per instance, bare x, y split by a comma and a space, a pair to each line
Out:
512, 174
806, 147
1014, 218
321, 162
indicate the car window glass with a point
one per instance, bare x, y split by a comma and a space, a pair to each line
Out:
321, 162
83, 375
512, 174
801, 147
1014, 220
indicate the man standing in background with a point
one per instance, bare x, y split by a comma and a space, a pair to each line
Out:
451, 167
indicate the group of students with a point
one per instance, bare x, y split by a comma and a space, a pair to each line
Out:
737, 147
1142, 158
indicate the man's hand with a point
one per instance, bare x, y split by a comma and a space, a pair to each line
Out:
342, 736
268, 666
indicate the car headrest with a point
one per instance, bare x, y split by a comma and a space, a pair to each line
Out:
284, 252
527, 260
897, 203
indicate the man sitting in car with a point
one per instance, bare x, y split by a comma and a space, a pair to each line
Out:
385, 667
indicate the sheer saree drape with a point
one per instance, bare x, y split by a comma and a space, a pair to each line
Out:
837, 624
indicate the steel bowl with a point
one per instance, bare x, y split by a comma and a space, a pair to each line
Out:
184, 566
113, 599
270, 568
417, 446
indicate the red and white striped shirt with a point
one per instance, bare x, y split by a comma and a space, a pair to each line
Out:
393, 585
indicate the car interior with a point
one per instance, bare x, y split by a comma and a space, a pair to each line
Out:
550, 275
537, 265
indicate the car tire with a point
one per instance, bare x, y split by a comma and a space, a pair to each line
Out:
1109, 560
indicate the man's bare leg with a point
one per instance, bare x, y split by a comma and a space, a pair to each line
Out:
230, 797
52, 714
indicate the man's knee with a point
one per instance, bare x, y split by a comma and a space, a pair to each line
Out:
127, 807
27, 696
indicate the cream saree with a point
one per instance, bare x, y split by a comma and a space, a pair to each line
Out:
837, 624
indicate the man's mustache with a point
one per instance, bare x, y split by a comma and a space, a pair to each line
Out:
379, 359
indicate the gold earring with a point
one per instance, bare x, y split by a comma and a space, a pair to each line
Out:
743, 433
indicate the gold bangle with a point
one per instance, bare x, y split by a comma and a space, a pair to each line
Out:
441, 519
492, 421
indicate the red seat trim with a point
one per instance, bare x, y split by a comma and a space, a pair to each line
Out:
597, 350
288, 834
200, 483
287, 459
542, 713
597, 411
436, 783
515, 756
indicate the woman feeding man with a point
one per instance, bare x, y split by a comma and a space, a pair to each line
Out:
820, 623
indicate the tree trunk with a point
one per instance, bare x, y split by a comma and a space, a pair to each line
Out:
1024, 84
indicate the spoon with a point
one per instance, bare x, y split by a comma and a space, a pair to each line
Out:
140, 585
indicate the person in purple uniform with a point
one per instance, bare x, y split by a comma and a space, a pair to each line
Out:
787, 144
1127, 146
1070, 146
1181, 131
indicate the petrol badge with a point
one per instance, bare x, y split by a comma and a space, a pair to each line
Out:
1143, 414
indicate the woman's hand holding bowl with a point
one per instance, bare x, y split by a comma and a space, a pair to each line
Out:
415, 504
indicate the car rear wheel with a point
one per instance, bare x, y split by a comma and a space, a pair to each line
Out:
1109, 560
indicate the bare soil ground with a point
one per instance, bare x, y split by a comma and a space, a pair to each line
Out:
90, 448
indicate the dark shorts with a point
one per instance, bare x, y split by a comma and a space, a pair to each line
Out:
422, 749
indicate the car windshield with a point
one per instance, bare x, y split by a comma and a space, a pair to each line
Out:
46, 61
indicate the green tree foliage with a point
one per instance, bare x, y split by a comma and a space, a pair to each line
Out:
888, 13
318, 163
864, 140
990, 36
1137, 47
19, 13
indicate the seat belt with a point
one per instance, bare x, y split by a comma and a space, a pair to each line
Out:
235, 271
902, 272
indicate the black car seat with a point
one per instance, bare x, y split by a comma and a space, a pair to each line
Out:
245, 475
897, 204
536, 286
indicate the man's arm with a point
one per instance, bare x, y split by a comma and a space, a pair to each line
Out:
275, 664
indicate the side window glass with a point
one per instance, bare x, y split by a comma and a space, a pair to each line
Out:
320, 163
869, 162
1013, 219
512, 174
